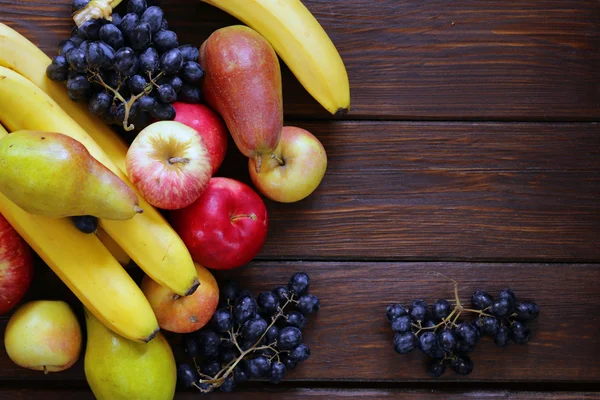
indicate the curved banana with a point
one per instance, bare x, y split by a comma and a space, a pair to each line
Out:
88, 269
112, 246
147, 238
302, 44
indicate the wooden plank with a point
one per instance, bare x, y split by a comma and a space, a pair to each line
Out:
462, 191
415, 59
300, 394
351, 340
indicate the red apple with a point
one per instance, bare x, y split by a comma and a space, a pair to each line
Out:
209, 125
226, 227
169, 164
16, 267
295, 171
183, 314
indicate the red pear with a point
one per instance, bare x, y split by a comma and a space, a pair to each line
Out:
242, 82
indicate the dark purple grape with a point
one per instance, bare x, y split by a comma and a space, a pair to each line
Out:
503, 307
77, 5
191, 345
241, 372
288, 362
210, 367
99, 103
502, 337
228, 384
165, 40
140, 120
153, 16
116, 19
299, 353
277, 372
481, 300
137, 84
76, 60
163, 111
76, 40
507, 294
90, 29
244, 308
405, 342
189, 52
289, 337
167, 94
282, 293
171, 61
468, 333
85, 45
112, 36
125, 61
253, 329
65, 45
402, 324
228, 355
149, 61
267, 303
58, 70
85, 223
394, 311
97, 56
308, 304
519, 332
176, 82
299, 282
78, 87
297, 319
447, 340
441, 309
110, 77
462, 365
136, 6
427, 342
128, 23
436, 368
418, 310
229, 289
190, 94
141, 36
222, 320
272, 334
191, 72
209, 343
490, 325
186, 375
259, 366
526, 311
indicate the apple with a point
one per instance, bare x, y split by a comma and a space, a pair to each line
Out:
169, 164
183, 314
226, 227
43, 335
16, 266
209, 125
295, 169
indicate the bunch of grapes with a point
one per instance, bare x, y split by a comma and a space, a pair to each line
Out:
129, 70
249, 337
439, 332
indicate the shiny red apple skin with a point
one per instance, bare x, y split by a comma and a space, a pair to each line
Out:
226, 227
209, 125
16, 267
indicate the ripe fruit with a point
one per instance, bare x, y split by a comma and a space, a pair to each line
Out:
169, 164
16, 266
226, 227
44, 336
183, 314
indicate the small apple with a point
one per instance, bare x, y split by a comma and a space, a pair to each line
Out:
183, 314
43, 335
295, 170
16, 266
226, 227
169, 164
209, 125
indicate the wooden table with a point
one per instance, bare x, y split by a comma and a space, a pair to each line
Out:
472, 149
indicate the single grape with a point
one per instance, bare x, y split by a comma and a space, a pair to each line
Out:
110, 77
418, 310
119, 114
77, 5
253, 329
136, 6
441, 309
149, 61
277, 372
308, 304
90, 29
97, 57
502, 337
427, 342
519, 332
402, 324
137, 84
405, 342
167, 94
507, 294
85, 223
241, 372
481, 300
289, 337
299, 353
58, 70
428, 323
116, 19
141, 36
125, 61
112, 36
468, 333
526, 311
99, 103
436, 368
176, 82
447, 339
462, 365
463, 347
128, 23
76, 40
210, 367
186, 375
85, 45
171, 61
244, 308
163, 111
272, 334
190, 94
228, 384
78, 87
228, 355
267, 303
297, 319
491, 325
65, 45
191, 345
222, 320
282, 293
393, 311
76, 60
189, 52
165, 40
209, 343
299, 282
259, 366
502, 308
288, 362
192, 72
153, 16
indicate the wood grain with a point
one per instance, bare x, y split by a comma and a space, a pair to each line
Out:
351, 340
415, 59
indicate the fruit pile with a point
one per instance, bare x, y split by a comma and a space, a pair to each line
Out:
250, 337
440, 333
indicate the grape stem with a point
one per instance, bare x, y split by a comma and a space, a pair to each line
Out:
220, 377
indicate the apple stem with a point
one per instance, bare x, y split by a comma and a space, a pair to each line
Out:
175, 160
240, 216
279, 160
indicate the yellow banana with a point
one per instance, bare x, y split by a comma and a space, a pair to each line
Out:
302, 44
147, 238
112, 246
88, 269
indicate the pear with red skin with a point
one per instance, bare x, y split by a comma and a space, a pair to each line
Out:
242, 82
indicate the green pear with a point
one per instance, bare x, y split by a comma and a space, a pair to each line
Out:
54, 175
117, 368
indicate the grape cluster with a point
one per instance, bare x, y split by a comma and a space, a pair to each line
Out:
249, 337
128, 70
440, 333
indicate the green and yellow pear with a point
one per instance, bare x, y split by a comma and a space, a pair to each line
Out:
121, 369
54, 175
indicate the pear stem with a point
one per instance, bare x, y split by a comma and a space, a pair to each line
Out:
138, 210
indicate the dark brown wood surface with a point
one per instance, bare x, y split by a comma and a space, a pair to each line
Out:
415, 186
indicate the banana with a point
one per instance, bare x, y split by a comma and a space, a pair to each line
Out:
150, 241
88, 269
302, 44
112, 246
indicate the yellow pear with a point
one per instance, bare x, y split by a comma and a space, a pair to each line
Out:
54, 175
117, 368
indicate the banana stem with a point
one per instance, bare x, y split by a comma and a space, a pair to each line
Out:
94, 10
